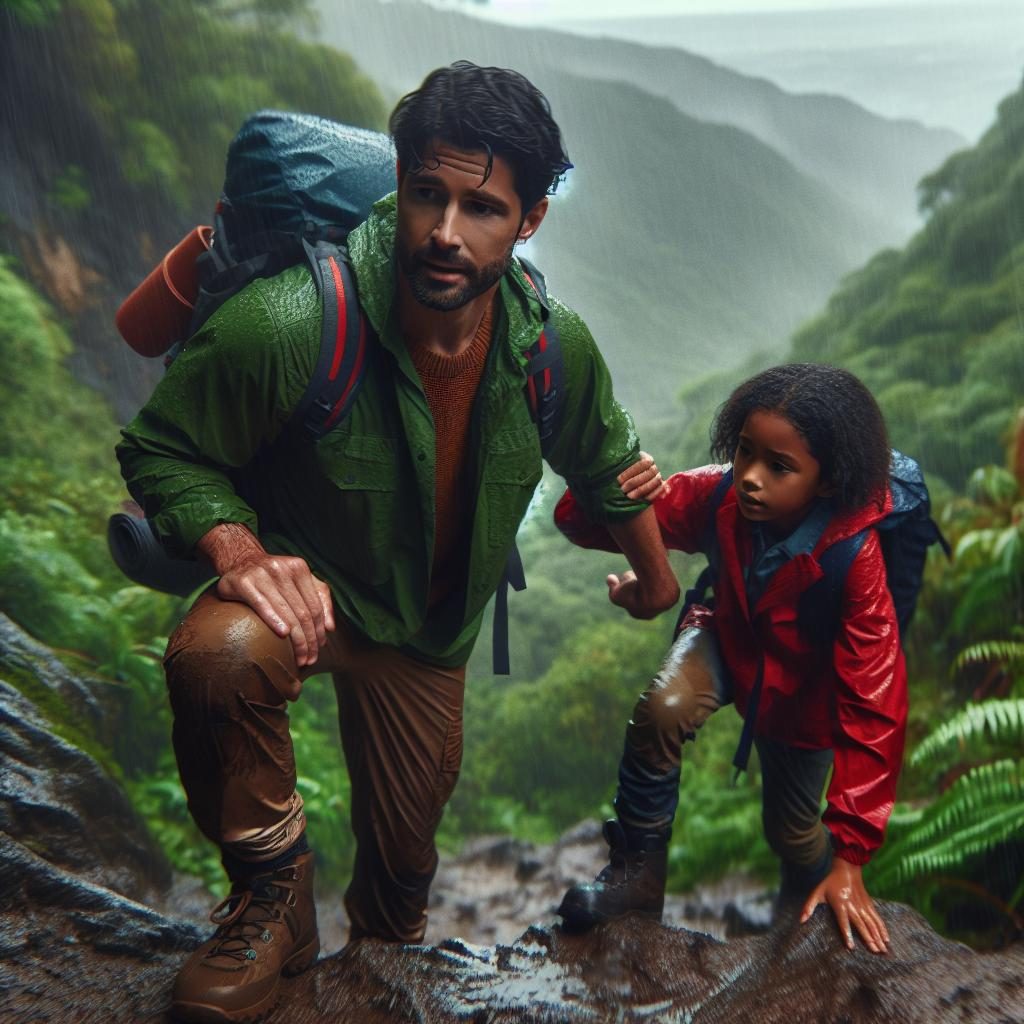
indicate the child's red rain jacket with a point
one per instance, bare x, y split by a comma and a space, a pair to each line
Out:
852, 698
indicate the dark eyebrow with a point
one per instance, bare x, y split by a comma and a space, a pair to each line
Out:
425, 177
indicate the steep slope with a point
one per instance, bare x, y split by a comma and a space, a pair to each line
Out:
935, 329
684, 244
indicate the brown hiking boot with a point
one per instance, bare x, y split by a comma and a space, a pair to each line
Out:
632, 882
267, 927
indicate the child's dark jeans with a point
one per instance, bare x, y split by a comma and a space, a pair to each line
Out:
691, 685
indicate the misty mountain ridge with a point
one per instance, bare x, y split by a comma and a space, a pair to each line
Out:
899, 61
708, 213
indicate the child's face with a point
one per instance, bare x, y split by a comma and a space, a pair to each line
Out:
776, 478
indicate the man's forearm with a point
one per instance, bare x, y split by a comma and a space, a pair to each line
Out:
641, 543
229, 544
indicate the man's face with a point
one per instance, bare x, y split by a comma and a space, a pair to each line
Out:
455, 230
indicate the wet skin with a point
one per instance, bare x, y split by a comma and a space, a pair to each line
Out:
775, 476
457, 225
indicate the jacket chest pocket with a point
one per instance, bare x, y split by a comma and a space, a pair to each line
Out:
363, 475
511, 477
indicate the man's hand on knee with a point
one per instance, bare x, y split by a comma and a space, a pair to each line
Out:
279, 588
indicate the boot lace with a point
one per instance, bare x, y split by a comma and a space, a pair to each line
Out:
242, 919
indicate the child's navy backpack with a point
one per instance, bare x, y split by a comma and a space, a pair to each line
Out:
906, 534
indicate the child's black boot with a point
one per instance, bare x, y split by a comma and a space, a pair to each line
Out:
632, 882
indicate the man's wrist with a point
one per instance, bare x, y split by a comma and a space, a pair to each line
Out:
228, 544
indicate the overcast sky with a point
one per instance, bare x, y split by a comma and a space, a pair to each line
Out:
561, 10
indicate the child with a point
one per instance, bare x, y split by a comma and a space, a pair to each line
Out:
810, 461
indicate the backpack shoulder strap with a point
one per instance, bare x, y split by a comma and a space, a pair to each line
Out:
545, 394
821, 603
345, 336
544, 390
709, 545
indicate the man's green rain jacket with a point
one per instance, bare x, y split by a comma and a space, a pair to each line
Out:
215, 444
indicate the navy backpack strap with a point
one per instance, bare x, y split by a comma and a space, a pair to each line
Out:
742, 755
513, 577
821, 603
344, 342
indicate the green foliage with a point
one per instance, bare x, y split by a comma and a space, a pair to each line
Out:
999, 722
160, 799
168, 84
557, 739
983, 808
32, 12
71, 189
934, 330
151, 159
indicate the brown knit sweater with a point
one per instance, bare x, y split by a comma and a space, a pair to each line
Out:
450, 384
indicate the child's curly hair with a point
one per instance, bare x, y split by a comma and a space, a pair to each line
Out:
834, 412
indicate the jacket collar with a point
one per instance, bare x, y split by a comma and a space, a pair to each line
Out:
371, 248
799, 573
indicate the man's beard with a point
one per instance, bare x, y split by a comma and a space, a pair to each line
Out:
445, 297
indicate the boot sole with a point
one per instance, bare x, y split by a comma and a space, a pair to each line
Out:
576, 919
206, 1013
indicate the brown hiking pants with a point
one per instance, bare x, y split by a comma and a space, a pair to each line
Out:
401, 730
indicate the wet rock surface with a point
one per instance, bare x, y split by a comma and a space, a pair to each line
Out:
75, 952
56, 801
94, 929
490, 891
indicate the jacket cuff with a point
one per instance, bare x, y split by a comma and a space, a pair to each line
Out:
852, 854
602, 501
181, 529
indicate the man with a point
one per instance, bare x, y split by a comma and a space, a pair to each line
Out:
372, 553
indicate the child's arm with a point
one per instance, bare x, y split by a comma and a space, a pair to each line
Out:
868, 730
680, 504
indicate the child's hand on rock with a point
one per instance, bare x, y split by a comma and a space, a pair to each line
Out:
843, 890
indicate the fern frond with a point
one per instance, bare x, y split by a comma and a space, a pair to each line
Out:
970, 800
977, 813
999, 721
1009, 652
953, 852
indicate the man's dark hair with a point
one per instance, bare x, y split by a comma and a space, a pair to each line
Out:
494, 110
835, 414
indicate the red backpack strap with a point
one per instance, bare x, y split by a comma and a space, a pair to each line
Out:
345, 337
544, 390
